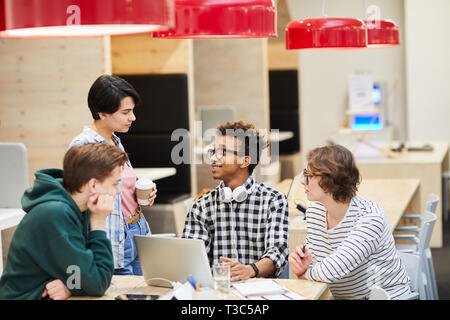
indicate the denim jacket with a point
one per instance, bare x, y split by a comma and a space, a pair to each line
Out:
114, 225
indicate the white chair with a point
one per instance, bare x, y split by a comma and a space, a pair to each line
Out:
430, 206
13, 183
413, 266
421, 247
378, 293
13, 173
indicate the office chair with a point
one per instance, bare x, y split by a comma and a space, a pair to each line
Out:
421, 248
431, 206
413, 266
414, 269
13, 183
13, 173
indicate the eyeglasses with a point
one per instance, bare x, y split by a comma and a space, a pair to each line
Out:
220, 153
306, 176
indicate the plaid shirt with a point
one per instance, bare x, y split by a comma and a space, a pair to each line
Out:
114, 226
259, 230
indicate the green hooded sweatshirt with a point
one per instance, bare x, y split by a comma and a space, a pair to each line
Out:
52, 242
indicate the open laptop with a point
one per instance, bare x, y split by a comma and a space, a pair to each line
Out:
173, 259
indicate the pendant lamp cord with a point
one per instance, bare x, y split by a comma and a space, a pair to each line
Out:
324, 4
364, 10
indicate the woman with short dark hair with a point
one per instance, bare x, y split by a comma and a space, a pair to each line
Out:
349, 243
111, 101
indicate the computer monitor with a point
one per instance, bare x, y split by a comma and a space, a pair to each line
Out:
368, 122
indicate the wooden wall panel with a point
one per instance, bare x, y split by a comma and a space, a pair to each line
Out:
43, 93
233, 73
279, 57
143, 54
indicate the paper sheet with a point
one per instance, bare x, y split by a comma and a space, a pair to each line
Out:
287, 294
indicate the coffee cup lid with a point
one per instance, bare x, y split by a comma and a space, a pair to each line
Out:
144, 183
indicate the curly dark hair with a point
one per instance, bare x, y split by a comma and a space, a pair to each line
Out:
251, 138
337, 168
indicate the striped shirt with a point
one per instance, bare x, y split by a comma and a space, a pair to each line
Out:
356, 254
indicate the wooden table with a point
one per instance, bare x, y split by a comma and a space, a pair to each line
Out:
135, 285
8, 218
395, 196
427, 166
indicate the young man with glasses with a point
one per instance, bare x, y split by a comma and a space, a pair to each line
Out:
241, 221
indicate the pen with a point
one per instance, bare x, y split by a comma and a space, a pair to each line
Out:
303, 249
192, 282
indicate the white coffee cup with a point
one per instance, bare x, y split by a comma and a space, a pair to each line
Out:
144, 187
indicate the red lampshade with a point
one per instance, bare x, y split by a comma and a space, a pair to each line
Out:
320, 33
209, 19
382, 34
74, 18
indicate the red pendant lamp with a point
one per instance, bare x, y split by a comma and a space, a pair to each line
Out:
215, 19
76, 18
382, 34
325, 33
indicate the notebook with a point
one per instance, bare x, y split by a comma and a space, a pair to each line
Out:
258, 288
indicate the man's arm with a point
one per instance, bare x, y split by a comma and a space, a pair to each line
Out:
276, 244
277, 234
84, 265
265, 266
239, 271
195, 226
